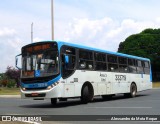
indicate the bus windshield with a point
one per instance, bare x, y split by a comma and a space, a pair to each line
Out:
42, 64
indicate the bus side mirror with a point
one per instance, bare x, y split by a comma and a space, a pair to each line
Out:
16, 62
66, 57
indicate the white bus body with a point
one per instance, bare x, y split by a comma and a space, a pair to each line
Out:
87, 83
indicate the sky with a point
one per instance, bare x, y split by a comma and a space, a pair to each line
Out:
97, 23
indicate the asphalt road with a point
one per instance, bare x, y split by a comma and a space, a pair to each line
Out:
146, 103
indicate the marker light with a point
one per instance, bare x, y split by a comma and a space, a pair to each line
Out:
52, 85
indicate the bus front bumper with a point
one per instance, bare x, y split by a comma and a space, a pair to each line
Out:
54, 92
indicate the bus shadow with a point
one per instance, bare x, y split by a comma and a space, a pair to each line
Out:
117, 97
76, 102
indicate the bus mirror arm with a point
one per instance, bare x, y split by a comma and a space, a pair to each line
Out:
16, 62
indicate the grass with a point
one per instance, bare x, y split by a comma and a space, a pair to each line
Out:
9, 91
156, 84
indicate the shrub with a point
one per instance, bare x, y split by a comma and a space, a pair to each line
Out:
13, 73
11, 83
4, 82
0, 82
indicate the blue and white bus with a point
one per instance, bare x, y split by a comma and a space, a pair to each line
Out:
59, 70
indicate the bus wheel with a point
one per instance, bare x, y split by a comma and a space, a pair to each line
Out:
85, 95
133, 90
53, 101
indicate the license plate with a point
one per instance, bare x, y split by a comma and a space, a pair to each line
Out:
34, 94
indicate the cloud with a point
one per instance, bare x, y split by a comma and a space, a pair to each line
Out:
7, 32
105, 33
37, 39
87, 22
10, 46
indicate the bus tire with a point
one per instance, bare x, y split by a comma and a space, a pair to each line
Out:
54, 101
87, 93
133, 90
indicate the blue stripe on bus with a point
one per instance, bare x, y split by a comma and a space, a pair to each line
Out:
60, 43
40, 85
150, 75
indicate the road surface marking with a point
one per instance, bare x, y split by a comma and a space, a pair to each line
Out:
122, 107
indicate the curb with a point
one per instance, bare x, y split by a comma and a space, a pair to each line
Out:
10, 96
156, 88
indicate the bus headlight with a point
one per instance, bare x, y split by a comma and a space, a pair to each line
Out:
52, 85
23, 88
49, 87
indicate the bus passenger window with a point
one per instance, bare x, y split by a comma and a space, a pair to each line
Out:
82, 64
86, 59
140, 67
100, 61
146, 67
123, 68
122, 60
113, 67
132, 66
90, 65
123, 64
112, 59
101, 66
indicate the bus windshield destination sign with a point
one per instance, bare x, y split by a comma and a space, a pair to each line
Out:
38, 48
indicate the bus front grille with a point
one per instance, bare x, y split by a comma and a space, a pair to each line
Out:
38, 95
42, 88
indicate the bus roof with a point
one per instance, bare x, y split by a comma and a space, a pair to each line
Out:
60, 43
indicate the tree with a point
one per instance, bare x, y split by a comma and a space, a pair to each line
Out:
145, 44
3, 80
13, 73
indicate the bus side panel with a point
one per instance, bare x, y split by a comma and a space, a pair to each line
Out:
146, 84
82, 76
104, 82
69, 90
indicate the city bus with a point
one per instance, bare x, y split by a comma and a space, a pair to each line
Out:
59, 70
